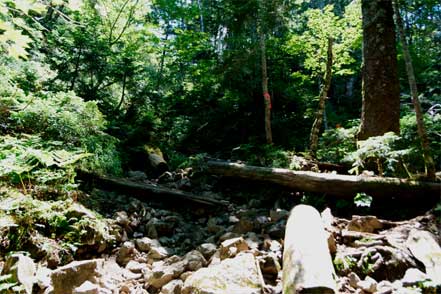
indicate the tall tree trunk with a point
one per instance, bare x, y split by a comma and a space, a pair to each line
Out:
381, 92
266, 95
201, 16
316, 126
428, 160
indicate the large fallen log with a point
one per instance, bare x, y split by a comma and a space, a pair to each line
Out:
141, 190
333, 184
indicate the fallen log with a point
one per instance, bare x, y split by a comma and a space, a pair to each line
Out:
141, 190
328, 183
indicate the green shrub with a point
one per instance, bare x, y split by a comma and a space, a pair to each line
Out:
336, 144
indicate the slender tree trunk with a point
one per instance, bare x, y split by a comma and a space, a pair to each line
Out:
266, 95
77, 67
123, 93
381, 92
428, 160
201, 16
316, 126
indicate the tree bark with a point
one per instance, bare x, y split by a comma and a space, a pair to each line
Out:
333, 184
381, 93
266, 95
141, 190
316, 126
428, 160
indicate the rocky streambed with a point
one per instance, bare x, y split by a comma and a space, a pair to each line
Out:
140, 248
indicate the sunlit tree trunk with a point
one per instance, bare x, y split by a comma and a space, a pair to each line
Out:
381, 92
316, 126
266, 95
428, 160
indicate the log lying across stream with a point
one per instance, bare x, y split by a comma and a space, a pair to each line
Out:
333, 184
143, 190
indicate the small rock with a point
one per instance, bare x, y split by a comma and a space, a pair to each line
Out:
269, 264
126, 253
228, 235
22, 268
327, 218
43, 277
144, 244
426, 249
278, 214
232, 219
135, 266
368, 285
172, 287
232, 276
185, 276
158, 252
195, 260
231, 247
207, 249
353, 279
212, 226
72, 275
121, 218
413, 276
243, 226
367, 224
385, 287
164, 271
277, 230
87, 288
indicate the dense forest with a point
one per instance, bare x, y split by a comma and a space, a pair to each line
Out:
158, 146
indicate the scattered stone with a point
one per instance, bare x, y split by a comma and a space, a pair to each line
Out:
136, 267
228, 235
184, 276
426, 249
413, 276
368, 285
385, 287
145, 244
368, 224
43, 277
243, 226
236, 275
207, 249
158, 253
277, 230
353, 279
65, 279
269, 264
126, 253
212, 226
87, 288
164, 271
22, 268
278, 214
122, 219
173, 287
230, 248
195, 260
327, 218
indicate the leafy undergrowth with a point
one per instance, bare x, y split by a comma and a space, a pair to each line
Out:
55, 231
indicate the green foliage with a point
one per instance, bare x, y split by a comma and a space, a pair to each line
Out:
43, 162
378, 153
262, 155
64, 220
336, 144
363, 200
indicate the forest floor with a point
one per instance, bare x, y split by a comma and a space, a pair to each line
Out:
111, 242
